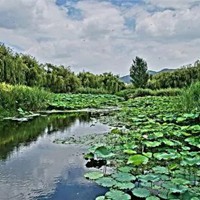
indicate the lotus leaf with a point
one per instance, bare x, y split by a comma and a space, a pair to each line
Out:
117, 195
137, 160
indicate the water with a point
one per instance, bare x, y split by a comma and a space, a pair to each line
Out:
33, 167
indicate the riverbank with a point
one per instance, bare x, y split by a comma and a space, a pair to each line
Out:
20, 101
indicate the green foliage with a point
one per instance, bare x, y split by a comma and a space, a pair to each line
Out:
133, 93
164, 145
19, 69
178, 78
78, 101
123, 177
141, 192
138, 73
88, 90
103, 83
137, 160
190, 99
117, 195
22, 97
93, 175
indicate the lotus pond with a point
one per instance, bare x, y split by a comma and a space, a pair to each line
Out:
153, 149
151, 152
80, 101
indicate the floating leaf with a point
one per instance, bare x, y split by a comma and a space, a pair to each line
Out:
117, 195
149, 177
178, 190
100, 198
93, 175
123, 177
130, 151
125, 169
137, 160
124, 185
141, 192
168, 142
180, 181
152, 144
148, 154
103, 152
190, 161
160, 170
166, 156
158, 134
106, 182
89, 156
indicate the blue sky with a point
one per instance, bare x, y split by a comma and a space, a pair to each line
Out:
103, 35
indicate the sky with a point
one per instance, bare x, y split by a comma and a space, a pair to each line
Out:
103, 35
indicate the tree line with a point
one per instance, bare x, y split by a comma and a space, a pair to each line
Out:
178, 78
21, 69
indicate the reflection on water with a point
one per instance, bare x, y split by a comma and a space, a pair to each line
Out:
33, 167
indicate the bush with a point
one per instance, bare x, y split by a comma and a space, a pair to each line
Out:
168, 92
190, 98
15, 97
126, 93
133, 93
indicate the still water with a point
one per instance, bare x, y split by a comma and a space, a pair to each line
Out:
33, 167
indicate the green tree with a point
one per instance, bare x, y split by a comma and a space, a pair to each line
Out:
138, 73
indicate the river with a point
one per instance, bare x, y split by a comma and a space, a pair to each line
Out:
33, 167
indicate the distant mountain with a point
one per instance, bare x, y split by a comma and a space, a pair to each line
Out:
165, 70
127, 78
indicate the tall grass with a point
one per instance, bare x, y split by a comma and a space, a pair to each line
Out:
133, 93
190, 98
15, 97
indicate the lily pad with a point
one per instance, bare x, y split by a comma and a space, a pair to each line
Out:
100, 198
125, 169
117, 195
94, 175
141, 192
124, 185
103, 152
106, 182
123, 177
138, 160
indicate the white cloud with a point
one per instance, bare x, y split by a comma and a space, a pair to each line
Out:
176, 4
100, 41
171, 23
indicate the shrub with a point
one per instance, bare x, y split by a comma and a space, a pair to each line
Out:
14, 97
133, 93
168, 92
190, 99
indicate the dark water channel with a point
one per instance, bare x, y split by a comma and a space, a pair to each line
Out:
33, 167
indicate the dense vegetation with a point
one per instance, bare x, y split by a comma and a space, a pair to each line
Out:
80, 101
19, 69
18, 100
154, 150
178, 78
13, 98
190, 98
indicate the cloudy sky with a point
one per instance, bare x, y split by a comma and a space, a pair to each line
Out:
103, 35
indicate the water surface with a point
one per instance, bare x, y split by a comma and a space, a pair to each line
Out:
33, 167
